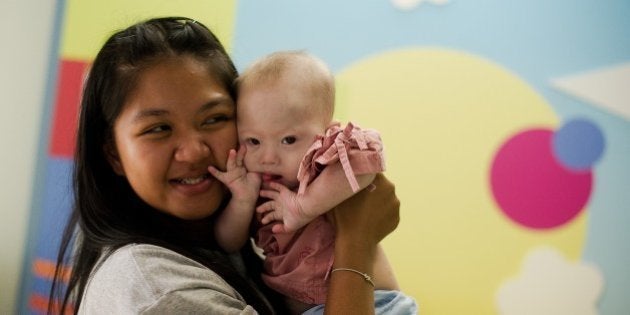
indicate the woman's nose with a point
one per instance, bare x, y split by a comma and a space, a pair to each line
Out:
192, 149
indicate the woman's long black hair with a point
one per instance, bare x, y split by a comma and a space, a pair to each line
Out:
107, 214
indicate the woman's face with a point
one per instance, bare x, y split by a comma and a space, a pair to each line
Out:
175, 123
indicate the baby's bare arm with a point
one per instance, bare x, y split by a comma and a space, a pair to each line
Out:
231, 227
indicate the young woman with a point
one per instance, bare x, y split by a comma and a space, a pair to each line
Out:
158, 109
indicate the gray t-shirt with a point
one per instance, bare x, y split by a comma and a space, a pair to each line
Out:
148, 279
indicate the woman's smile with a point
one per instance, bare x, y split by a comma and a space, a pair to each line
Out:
193, 185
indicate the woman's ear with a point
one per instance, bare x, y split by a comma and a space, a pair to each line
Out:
112, 157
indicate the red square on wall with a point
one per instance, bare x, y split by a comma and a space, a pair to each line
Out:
66, 108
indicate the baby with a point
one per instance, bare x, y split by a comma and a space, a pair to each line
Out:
303, 164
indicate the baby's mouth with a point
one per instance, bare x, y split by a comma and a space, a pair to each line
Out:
270, 177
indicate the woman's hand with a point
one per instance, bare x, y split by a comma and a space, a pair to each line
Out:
370, 215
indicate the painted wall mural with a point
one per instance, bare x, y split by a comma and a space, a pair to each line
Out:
506, 128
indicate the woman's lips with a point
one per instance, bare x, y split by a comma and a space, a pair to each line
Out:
192, 185
192, 180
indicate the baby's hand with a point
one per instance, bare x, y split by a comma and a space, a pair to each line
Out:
284, 207
243, 185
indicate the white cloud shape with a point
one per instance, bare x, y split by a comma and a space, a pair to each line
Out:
606, 88
550, 285
408, 5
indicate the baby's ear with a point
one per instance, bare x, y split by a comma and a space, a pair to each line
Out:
111, 154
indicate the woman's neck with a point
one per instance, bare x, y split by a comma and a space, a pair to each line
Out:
198, 233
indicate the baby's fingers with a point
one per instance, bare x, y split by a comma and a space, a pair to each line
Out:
265, 207
216, 173
269, 194
232, 161
240, 155
277, 187
270, 217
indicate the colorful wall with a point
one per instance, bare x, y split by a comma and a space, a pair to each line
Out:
23, 60
506, 125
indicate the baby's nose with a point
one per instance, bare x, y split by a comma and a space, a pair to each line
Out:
269, 156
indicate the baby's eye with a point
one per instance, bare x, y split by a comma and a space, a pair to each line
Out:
289, 140
252, 141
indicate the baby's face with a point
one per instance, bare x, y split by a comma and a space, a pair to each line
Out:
276, 130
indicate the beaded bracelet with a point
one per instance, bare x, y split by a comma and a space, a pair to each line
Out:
365, 276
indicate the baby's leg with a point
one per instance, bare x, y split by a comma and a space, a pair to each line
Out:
384, 278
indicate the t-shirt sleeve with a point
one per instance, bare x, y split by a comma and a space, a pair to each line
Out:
147, 279
198, 301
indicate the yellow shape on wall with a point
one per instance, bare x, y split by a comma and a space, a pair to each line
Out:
443, 115
88, 23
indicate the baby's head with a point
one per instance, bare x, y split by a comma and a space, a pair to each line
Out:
284, 100
302, 78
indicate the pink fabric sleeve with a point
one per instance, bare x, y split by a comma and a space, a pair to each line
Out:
360, 151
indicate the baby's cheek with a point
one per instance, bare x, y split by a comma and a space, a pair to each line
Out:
250, 162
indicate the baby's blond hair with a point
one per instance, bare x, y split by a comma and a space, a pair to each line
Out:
302, 68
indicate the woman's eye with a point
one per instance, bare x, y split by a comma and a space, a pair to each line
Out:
289, 140
157, 129
215, 119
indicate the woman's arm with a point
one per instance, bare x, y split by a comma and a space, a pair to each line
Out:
361, 222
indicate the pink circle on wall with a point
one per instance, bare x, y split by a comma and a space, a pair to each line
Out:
531, 187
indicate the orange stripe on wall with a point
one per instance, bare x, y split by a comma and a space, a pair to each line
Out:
38, 303
45, 269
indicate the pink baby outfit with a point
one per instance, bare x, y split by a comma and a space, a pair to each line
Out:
297, 264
